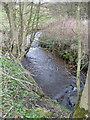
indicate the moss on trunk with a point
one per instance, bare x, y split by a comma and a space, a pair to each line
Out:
80, 112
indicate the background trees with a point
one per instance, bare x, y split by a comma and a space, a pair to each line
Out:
68, 9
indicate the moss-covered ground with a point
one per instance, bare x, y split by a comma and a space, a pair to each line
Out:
21, 96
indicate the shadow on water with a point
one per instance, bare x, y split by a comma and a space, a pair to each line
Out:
51, 75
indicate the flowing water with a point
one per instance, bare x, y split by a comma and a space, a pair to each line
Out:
51, 74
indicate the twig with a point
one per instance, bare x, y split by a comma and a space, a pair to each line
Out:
17, 79
74, 32
18, 62
84, 66
8, 111
4, 26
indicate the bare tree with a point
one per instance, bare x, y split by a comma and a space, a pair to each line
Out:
22, 21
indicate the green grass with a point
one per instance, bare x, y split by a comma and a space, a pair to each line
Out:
18, 92
21, 96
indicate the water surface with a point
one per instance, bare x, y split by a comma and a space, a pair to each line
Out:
51, 74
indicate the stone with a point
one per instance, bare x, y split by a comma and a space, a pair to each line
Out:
72, 100
75, 89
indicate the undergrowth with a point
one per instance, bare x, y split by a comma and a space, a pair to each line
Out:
64, 51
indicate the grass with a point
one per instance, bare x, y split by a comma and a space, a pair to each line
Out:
21, 96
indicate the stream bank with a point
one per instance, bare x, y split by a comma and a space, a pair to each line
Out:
21, 95
52, 75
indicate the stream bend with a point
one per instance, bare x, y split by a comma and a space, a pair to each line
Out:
52, 76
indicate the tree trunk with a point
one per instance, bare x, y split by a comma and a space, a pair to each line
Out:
84, 103
36, 18
79, 52
14, 34
82, 109
22, 31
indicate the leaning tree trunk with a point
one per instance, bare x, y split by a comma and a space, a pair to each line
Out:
84, 103
82, 109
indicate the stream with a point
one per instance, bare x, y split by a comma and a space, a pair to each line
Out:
51, 74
